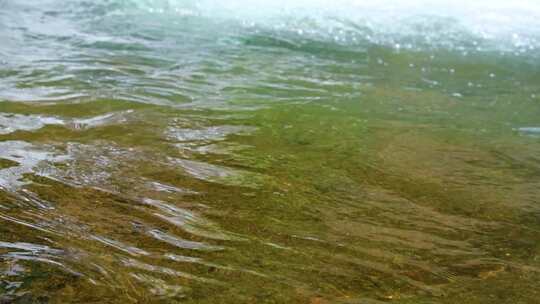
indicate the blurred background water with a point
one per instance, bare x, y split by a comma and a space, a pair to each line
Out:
269, 151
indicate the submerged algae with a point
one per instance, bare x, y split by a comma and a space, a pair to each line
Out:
168, 156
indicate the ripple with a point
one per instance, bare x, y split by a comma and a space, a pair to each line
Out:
120, 246
27, 158
31, 248
159, 287
180, 243
216, 133
220, 174
189, 221
10, 123
101, 120
170, 189
164, 270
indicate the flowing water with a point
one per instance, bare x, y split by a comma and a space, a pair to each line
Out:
269, 151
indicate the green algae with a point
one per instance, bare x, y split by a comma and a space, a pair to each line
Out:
308, 233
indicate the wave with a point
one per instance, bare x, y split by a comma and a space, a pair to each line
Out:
411, 24
503, 25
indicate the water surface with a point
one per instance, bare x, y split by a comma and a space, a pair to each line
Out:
255, 152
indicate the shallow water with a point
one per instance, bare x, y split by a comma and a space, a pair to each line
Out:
255, 152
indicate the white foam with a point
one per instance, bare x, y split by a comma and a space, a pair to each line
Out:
514, 24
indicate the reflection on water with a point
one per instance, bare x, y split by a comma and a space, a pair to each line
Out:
198, 152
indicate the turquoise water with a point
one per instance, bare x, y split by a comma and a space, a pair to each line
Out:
269, 152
